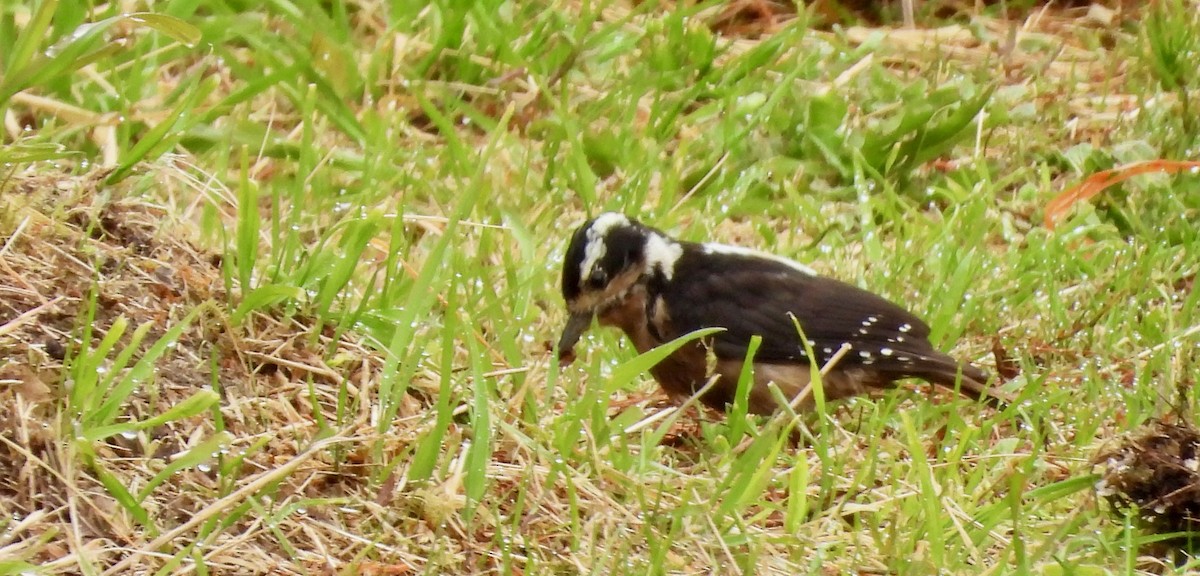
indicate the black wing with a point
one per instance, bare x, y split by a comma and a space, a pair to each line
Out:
750, 295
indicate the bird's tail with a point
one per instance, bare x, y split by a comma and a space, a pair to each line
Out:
970, 380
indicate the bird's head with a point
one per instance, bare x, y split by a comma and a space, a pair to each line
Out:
608, 256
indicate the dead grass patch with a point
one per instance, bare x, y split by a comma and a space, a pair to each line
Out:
68, 241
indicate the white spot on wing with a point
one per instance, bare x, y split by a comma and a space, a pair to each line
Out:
661, 253
597, 242
711, 248
905, 327
885, 351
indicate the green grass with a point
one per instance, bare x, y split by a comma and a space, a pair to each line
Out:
308, 256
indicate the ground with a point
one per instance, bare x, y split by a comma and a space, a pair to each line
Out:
278, 284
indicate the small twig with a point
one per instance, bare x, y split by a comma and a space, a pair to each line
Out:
825, 370
28, 316
1171, 342
802, 396
505, 372
707, 176
319, 370
651, 419
674, 410
16, 234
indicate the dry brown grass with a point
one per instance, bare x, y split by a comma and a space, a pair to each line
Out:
67, 239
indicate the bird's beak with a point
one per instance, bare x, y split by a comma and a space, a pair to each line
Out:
577, 324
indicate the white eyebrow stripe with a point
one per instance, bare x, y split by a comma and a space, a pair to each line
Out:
714, 248
662, 253
597, 245
607, 221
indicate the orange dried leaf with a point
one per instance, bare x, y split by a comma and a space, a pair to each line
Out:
1098, 182
382, 569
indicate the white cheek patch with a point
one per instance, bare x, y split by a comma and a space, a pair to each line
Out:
711, 248
662, 253
597, 246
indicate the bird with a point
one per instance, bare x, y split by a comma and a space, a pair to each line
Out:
655, 288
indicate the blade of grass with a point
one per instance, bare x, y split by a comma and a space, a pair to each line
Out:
71, 53
431, 446
194, 457
115, 488
28, 41
741, 399
930, 496
194, 405
115, 369
349, 255
246, 238
264, 297
624, 374
167, 133
86, 369
475, 478
143, 369
749, 475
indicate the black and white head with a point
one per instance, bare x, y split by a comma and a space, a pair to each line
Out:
607, 257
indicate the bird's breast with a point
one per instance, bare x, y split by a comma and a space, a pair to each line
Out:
629, 314
681, 373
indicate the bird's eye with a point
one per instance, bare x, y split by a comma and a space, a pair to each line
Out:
598, 279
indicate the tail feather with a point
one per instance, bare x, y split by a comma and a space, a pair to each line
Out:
970, 380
